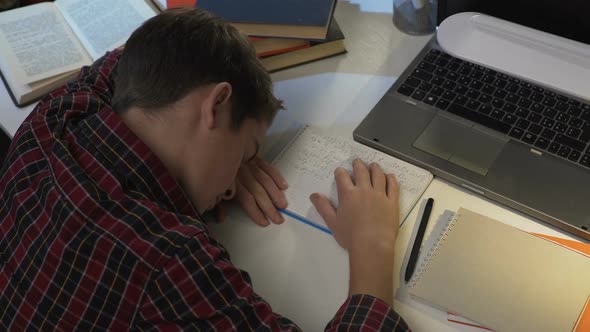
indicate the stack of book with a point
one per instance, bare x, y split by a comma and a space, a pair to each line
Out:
284, 33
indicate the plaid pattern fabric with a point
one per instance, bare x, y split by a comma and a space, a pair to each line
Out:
95, 234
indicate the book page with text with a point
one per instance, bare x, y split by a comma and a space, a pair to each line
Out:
308, 165
104, 25
37, 43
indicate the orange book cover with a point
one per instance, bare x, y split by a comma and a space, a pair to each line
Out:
583, 248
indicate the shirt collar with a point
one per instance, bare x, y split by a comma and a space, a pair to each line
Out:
135, 162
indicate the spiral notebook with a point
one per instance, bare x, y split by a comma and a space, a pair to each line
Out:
308, 163
502, 277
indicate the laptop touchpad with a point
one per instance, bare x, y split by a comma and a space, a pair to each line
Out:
465, 145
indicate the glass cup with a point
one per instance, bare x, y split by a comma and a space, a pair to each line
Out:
415, 17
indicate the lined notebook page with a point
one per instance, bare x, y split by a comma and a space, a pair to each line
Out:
502, 277
308, 165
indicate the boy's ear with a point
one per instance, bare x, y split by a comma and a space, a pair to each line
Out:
218, 98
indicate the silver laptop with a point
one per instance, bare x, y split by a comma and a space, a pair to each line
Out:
516, 142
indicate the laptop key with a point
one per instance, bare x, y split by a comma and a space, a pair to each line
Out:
561, 106
419, 95
461, 100
497, 103
542, 143
509, 118
574, 111
488, 79
516, 133
500, 83
524, 103
562, 117
550, 113
573, 132
405, 90
488, 89
560, 127
535, 129
510, 108
438, 81
574, 103
425, 86
486, 109
485, 98
523, 124
477, 85
549, 102
454, 66
442, 62
512, 98
548, 133
461, 89
564, 151
523, 113
421, 74
496, 113
586, 115
441, 72
585, 161
479, 118
443, 104
452, 76
536, 107
464, 80
525, 93
570, 142
448, 95
574, 155
513, 88
430, 100
501, 94
535, 117
529, 138
437, 91
537, 97
554, 147
473, 105
576, 122
449, 85
585, 136
413, 82
473, 94
427, 67
431, 58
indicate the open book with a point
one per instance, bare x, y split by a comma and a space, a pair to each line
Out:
44, 45
308, 163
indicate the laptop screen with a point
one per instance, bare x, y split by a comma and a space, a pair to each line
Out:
566, 18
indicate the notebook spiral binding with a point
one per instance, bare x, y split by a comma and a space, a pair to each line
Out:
440, 239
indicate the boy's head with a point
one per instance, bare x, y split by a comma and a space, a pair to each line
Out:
192, 88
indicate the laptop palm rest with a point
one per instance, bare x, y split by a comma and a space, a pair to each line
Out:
460, 143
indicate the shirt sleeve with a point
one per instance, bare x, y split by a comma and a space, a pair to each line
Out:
366, 313
200, 289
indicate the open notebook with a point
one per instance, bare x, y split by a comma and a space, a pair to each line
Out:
308, 163
502, 277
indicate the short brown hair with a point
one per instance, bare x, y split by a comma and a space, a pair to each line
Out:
181, 49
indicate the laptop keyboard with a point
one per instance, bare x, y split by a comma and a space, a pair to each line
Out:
544, 119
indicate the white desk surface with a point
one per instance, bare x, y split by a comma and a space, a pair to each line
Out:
301, 271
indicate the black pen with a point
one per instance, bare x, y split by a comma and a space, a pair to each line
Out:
418, 242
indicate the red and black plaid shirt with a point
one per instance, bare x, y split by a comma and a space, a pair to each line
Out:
95, 234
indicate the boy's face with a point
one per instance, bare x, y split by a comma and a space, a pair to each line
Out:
215, 153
